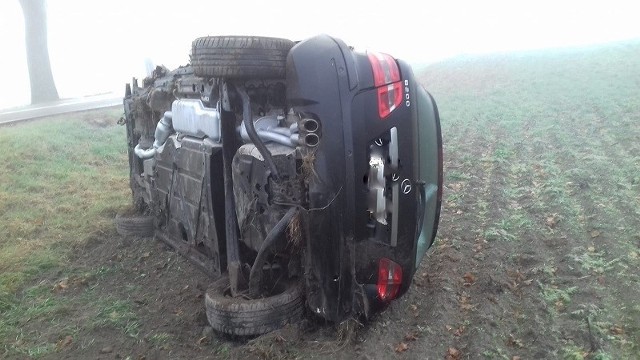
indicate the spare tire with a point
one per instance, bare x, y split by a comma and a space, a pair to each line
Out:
128, 224
247, 317
240, 56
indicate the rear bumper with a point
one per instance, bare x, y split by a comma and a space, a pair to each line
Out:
345, 240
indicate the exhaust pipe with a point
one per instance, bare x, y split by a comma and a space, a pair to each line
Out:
311, 140
163, 130
310, 125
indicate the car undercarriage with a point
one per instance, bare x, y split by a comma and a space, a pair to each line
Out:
297, 175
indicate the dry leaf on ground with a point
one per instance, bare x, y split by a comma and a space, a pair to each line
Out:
412, 336
469, 278
402, 347
63, 343
453, 354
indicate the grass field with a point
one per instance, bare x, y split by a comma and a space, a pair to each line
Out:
62, 183
537, 254
543, 191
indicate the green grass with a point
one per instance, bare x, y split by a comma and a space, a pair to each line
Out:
64, 178
119, 314
555, 296
596, 262
159, 339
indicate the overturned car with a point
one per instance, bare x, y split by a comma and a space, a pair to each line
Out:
297, 175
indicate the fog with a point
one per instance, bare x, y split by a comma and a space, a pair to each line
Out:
96, 47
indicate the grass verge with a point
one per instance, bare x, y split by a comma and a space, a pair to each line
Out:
64, 179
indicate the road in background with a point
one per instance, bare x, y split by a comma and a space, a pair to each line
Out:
8, 116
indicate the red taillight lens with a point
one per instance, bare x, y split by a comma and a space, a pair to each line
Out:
385, 69
389, 279
389, 98
386, 77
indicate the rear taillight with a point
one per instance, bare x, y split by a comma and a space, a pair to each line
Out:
386, 77
389, 98
389, 279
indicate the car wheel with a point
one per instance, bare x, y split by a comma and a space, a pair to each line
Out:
240, 56
134, 225
247, 317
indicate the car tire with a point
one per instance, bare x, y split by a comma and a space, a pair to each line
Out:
240, 56
135, 225
247, 317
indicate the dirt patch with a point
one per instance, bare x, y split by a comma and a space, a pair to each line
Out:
100, 119
100, 122
145, 301
136, 298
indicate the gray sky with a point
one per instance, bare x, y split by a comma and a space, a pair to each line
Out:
97, 46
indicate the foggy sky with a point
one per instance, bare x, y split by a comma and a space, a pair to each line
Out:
97, 46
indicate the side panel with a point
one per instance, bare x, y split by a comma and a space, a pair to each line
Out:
430, 153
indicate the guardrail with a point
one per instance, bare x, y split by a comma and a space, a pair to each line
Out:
14, 115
